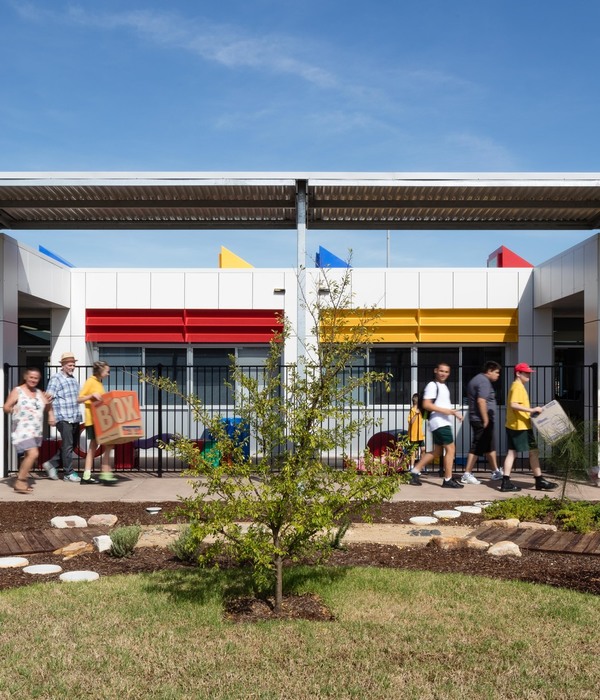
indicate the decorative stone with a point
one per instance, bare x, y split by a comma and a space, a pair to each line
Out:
447, 514
153, 510
504, 549
73, 549
72, 576
483, 504
538, 526
447, 543
65, 521
476, 543
13, 562
43, 569
474, 510
509, 522
423, 520
104, 519
102, 543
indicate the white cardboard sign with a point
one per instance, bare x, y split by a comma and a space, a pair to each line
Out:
553, 423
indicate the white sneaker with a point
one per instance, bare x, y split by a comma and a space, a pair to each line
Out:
468, 478
50, 470
497, 475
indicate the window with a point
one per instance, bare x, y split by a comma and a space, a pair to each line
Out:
211, 371
125, 364
173, 364
395, 361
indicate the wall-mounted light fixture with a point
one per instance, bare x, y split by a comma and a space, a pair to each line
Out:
279, 290
324, 290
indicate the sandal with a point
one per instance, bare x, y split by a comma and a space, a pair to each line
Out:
20, 489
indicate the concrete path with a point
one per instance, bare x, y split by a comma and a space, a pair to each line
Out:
140, 487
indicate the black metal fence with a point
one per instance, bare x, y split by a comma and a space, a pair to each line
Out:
166, 414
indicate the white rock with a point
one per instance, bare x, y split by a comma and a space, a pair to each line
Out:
504, 549
475, 543
43, 569
474, 510
447, 514
538, 526
70, 576
102, 543
12, 562
483, 504
509, 522
423, 520
103, 519
64, 521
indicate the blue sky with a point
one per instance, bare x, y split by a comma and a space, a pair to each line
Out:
275, 85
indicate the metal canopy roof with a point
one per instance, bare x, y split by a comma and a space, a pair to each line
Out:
269, 200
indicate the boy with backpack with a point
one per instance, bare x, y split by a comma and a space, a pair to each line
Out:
436, 400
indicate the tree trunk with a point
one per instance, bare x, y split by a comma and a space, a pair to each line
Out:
278, 584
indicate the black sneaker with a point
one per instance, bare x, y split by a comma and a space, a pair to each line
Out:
507, 485
452, 484
415, 479
543, 485
91, 480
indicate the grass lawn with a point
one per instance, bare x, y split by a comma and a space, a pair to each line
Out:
397, 635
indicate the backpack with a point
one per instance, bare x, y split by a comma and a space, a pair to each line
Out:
424, 412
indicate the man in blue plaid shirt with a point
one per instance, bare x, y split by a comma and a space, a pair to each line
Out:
65, 414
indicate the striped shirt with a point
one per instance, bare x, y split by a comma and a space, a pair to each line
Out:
64, 389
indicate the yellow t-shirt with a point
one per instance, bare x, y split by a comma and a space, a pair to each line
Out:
415, 428
517, 420
92, 386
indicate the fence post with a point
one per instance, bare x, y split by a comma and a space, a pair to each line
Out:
4, 423
160, 423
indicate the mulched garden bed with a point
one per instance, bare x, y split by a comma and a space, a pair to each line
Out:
574, 571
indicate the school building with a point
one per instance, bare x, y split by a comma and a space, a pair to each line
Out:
191, 320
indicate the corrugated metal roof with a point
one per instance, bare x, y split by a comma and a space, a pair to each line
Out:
269, 200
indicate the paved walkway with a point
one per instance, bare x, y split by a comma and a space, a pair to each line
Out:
139, 487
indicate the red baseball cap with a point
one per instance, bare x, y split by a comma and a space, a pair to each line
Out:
523, 367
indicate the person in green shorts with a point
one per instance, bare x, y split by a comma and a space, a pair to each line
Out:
519, 433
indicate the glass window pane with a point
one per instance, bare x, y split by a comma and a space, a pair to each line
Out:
125, 364
210, 372
173, 365
395, 361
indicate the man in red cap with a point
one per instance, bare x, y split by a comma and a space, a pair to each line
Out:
519, 433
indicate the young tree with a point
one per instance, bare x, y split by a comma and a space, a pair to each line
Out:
290, 500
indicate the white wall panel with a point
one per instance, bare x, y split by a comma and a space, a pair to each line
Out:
133, 290
470, 289
262, 290
235, 290
76, 315
401, 289
201, 290
100, 290
167, 290
368, 288
436, 289
503, 289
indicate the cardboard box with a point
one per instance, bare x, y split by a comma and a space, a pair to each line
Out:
553, 423
117, 418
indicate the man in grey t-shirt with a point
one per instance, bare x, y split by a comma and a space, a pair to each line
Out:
482, 414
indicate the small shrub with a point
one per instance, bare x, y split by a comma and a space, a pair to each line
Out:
579, 516
338, 535
186, 547
522, 508
124, 540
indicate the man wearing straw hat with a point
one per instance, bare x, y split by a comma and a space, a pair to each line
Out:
65, 414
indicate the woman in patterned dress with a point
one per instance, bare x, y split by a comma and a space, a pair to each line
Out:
27, 404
